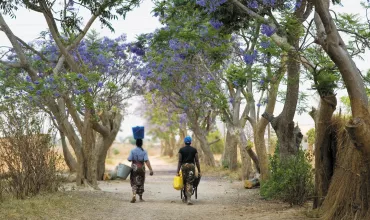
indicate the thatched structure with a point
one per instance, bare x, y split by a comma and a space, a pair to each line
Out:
349, 192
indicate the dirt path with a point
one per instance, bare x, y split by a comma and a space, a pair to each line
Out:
217, 199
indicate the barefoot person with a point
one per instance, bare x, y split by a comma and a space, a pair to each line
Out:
138, 156
188, 156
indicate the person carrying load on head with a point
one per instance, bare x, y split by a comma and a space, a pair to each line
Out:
188, 156
138, 156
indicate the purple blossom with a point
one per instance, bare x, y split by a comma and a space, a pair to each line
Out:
28, 79
267, 30
56, 94
138, 51
30, 88
236, 84
216, 24
79, 76
258, 104
182, 56
40, 75
210, 5
183, 118
250, 58
269, 2
265, 44
262, 82
201, 3
298, 4
100, 84
90, 90
174, 44
38, 92
253, 4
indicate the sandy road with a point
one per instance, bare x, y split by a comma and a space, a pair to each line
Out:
217, 199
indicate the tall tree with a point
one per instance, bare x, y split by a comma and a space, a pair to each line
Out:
351, 201
90, 130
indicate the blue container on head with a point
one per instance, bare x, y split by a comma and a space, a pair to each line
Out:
187, 140
138, 132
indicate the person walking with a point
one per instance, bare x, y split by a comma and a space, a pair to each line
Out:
138, 156
188, 158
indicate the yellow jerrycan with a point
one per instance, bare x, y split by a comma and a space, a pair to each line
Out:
178, 184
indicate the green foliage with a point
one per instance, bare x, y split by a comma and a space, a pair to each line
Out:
291, 180
346, 104
218, 147
236, 75
132, 140
292, 25
115, 151
106, 10
311, 136
326, 75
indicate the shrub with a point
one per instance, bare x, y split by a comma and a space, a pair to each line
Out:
28, 155
217, 147
291, 180
115, 151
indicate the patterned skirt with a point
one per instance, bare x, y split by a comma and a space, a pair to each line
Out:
137, 177
188, 176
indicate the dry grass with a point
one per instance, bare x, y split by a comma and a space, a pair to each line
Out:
217, 171
346, 198
59, 205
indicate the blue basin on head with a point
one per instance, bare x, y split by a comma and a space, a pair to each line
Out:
138, 132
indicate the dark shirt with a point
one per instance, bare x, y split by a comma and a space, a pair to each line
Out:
188, 154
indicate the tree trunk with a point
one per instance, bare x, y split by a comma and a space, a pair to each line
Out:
112, 121
88, 167
196, 144
230, 154
167, 147
172, 144
260, 127
182, 135
246, 159
103, 145
202, 137
259, 142
325, 152
68, 157
209, 160
163, 147
283, 124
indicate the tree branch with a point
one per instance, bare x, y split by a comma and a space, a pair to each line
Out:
72, 110
17, 47
13, 65
213, 142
